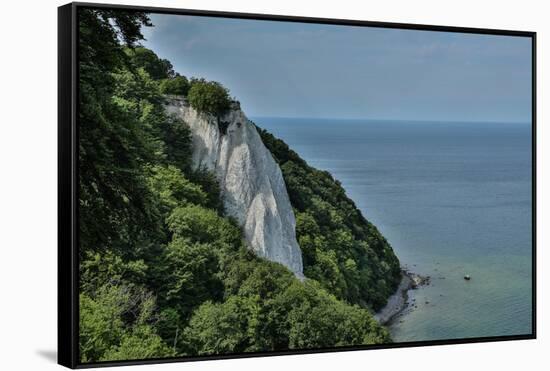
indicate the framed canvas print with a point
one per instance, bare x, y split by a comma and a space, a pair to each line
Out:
235, 185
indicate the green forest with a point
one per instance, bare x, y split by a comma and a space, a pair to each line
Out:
164, 272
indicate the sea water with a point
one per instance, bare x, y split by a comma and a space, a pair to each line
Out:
453, 199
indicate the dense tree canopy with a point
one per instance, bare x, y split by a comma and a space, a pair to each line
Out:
163, 271
156, 67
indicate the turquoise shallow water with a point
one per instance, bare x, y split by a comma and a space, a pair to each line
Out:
452, 199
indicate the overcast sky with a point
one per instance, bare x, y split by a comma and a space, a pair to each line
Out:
308, 70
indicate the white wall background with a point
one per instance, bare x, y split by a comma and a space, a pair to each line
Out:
28, 155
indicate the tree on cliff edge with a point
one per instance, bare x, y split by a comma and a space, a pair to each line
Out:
209, 97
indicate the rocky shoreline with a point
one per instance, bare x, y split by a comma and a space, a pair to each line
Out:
399, 300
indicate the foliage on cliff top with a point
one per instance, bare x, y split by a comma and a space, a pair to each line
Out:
209, 97
178, 85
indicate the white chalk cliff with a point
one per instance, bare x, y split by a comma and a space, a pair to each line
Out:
252, 185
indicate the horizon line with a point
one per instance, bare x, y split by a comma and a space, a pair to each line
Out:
393, 119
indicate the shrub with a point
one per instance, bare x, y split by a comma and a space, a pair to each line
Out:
209, 97
177, 85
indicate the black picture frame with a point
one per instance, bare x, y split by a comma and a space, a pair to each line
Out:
68, 218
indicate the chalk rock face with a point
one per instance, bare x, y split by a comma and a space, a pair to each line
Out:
252, 185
